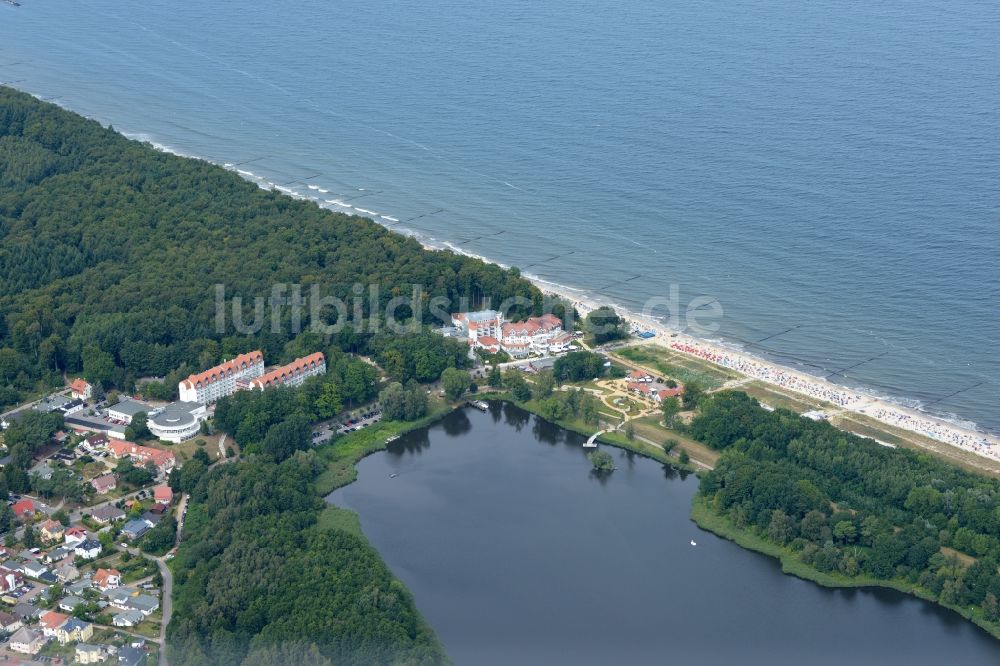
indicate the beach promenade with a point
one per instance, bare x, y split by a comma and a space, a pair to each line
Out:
850, 400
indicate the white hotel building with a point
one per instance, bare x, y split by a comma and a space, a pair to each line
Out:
208, 386
487, 329
292, 374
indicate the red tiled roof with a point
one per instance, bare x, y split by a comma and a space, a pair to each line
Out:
102, 576
104, 481
223, 369
24, 506
52, 620
548, 320
159, 457
281, 375
79, 386
487, 341
529, 327
163, 493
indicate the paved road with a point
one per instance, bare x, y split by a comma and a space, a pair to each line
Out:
167, 590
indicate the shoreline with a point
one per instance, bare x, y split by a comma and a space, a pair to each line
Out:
844, 399
709, 521
887, 410
883, 409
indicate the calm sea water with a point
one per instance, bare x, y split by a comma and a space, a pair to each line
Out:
826, 167
516, 554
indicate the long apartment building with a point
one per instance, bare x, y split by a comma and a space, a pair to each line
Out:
292, 374
220, 381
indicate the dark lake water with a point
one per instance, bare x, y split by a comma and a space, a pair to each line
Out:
517, 554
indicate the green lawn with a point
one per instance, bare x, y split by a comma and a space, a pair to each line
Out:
681, 367
342, 454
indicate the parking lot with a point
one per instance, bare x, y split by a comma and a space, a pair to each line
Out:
324, 432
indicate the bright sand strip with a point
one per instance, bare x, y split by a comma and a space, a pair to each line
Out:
879, 409
884, 411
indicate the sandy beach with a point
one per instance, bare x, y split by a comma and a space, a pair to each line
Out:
843, 398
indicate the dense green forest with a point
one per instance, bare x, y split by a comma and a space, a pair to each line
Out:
110, 256
110, 252
847, 505
257, 581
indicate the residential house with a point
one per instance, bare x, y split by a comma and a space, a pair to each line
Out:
131, 656
143, 603
27, 641
104, 483
163, 494
152, 517
107, 579
79, 587
94, 443
50, 621
131, 599
56, 554
9, 623
25, 611
128, 618
24, 508
70, 603
74, 535
107, 514
74, 630
34, 568
52, 530
80, 389
88, 549
134, 529
164, 461
10, 580
90, 654
66, 572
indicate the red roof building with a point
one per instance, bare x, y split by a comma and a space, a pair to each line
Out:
163, 460
10, 579
51, 621
220, 381
24, 508
80, 389
163, 494
104, 483
292, 374
107, 579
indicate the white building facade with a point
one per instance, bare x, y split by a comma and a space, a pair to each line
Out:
292, 374
178, 421
208, 386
